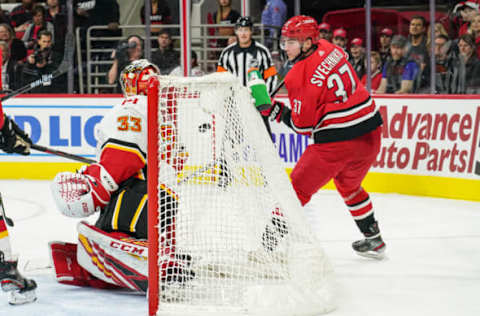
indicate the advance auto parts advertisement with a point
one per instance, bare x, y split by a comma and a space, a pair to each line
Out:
435, 137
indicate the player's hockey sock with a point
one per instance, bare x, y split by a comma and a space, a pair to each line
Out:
5, 247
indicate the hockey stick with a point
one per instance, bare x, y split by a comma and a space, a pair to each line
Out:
61, 153
279, 86
62, 68
2, 213
207, 167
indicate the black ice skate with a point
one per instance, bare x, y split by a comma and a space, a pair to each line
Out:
372, 246
273, 234
224, 175
20, 289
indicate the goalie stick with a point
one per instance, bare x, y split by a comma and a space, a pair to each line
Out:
198, 172
62, 68
61, 153
90, 161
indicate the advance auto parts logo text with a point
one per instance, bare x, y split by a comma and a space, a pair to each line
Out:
445, 143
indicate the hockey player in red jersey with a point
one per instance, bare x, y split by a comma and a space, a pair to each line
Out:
330, 105
113, 253
21, 290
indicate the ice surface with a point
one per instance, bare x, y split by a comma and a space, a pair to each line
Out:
432, 269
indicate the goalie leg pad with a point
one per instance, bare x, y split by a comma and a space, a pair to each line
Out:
67, 269
113, 257
119, 259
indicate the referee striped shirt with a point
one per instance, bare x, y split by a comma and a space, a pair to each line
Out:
238, 61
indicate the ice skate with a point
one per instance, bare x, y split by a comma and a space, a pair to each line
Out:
372, 246
273, 234
20, 290
176, 268
224, 175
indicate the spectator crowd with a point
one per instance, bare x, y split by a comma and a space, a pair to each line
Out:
401, 63
32, 36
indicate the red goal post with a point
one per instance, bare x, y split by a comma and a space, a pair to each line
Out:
152, 147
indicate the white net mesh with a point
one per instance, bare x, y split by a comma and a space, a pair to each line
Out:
234, 240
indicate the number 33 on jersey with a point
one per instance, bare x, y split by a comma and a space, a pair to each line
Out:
124, 129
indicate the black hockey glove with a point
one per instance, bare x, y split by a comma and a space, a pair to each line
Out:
276, 112
13, 139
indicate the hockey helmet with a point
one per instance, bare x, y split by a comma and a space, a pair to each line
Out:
134, 78
300, 27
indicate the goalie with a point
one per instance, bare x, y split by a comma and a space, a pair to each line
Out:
113, 252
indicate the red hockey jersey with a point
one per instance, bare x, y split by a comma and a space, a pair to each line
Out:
328, 100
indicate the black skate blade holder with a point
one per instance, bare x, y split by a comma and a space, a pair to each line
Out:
8, 220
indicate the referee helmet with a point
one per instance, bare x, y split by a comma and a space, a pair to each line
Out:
244, 21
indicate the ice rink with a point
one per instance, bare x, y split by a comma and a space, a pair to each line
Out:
432, 266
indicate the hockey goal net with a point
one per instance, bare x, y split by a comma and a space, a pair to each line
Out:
227, 235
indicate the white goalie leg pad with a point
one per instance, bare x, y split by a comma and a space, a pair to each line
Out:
72, 194
114, 259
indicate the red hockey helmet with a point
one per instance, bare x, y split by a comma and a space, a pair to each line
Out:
134, 78
300, 27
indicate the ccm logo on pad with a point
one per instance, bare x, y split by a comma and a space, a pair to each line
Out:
127, 248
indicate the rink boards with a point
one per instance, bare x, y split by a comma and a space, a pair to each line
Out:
430, 145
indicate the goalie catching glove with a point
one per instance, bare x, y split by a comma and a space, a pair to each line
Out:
84, 193
13, 139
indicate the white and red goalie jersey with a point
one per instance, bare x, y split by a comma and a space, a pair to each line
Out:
122, 139
121, 154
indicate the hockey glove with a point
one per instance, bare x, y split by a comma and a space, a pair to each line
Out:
13, 139
84, 193
275, 112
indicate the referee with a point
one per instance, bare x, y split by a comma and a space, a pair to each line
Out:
239, 57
